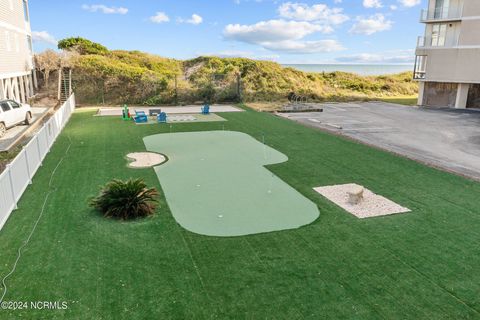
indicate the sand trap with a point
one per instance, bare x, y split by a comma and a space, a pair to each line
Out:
145, 159
372, 204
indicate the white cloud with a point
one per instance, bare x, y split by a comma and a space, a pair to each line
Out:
320, 13
104, 9
281, 35
337, 1
159, 17
410, 3
371, 25
43, 36
393, 7
272, 30
372, 3
195, 19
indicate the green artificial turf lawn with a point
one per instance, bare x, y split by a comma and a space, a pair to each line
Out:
419, 265
216, 184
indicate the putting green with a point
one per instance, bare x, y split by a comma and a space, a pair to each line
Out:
216, 184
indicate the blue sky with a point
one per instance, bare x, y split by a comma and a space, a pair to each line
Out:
328, 31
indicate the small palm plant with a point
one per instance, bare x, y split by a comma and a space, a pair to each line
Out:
126, 200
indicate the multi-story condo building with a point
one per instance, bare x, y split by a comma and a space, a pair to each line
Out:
16, 53
447, 63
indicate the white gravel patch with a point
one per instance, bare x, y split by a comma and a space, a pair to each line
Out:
145, 159
372, 205
181, 118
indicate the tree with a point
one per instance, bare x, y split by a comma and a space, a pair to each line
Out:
82, 46
47, 62
67, 59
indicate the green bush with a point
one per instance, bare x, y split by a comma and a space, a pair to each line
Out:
126, 200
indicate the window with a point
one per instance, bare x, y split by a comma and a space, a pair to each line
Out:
14, 104
8, 44
5, 106
441, 9
25, 11
439, 34
29, 44
10, 4
420, 69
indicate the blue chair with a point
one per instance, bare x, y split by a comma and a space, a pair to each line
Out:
141, 118
140, 113
162, 117
206, 109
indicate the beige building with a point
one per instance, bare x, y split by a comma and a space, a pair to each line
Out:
447, 63
16, 53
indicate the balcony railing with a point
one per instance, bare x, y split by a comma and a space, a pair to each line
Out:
421, 41
442, 14
448, 42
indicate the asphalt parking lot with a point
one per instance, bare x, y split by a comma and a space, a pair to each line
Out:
445, 138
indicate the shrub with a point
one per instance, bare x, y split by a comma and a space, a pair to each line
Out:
126, 200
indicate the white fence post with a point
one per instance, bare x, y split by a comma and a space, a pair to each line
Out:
27, 163
38, 149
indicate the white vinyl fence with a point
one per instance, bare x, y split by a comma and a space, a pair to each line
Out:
19, 173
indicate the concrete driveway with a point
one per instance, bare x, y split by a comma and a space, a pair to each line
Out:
445, 138
14, 134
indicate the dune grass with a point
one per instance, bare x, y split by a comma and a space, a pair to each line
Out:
405, 100
420, 265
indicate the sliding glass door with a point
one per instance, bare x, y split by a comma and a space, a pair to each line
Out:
441, 9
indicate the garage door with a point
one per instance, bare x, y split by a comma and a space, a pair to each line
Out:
438, 94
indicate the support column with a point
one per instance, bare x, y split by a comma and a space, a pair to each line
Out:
9, 85
462, 95
21, 86
31, 83
26, 81
34, 76
421, 89
3, 92
16, 89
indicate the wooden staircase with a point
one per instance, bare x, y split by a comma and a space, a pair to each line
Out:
64, 84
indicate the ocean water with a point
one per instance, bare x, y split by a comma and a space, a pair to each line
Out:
361, 69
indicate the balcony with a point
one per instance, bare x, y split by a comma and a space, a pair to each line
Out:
446, 14
436, 42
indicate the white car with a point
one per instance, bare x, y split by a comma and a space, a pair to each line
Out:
13, 113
